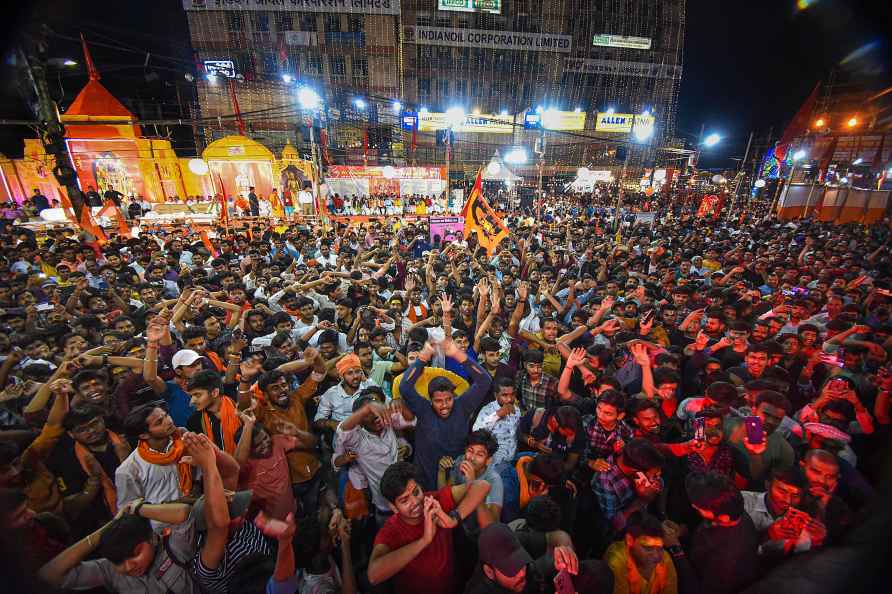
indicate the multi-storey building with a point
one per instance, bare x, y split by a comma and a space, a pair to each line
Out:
496, 58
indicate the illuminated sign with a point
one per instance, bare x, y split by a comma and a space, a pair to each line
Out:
410, 120
642, 43
346, 6
623, 122
493, 6
502, 40
487, 123
220, 68
553, 119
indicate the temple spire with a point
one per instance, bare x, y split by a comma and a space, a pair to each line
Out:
91, 67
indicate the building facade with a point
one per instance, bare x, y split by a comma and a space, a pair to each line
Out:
495, 59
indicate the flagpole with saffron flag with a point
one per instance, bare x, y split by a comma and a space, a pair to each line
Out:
481, 219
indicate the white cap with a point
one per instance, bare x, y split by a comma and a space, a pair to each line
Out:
184, 358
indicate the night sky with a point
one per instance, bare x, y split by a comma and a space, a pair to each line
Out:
748, 64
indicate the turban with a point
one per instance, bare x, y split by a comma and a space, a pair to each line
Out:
348, 362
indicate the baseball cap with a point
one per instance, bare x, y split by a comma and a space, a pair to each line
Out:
500, 549
184, 358
238, 506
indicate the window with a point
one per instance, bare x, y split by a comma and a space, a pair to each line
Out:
314, 64
444, 56
444, 21
474, 88
360, 67
308, 22
332, 23
261, 21
233, 21
270, 62
423, 19
461, 88
443, 88
284, 21
338, 66
357, 23
424, 87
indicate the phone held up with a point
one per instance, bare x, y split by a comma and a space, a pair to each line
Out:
754, 431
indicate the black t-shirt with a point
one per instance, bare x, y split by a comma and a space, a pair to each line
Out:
725, 557
72, 479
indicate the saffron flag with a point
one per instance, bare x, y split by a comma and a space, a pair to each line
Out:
482, 220
207, 243
89, 225
224, 210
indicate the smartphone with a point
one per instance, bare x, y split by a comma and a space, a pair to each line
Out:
788, 293
648, 316
238, 334
841, 357
44, 307
754, 431
563, 583
700, 428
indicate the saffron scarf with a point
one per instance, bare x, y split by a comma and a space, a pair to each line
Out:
636, 580
216, 360
229, 424
86, 459
172, 456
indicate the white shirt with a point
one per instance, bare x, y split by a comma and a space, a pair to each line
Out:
376, 453
336, 404
504, 430
305, 197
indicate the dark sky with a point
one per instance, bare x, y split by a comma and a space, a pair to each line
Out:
749, 64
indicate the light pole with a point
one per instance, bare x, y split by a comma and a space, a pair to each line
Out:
642, 131
311, 101
455, 117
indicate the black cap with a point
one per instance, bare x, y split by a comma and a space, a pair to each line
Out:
500, 549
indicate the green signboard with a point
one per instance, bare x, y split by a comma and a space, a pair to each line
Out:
493, 6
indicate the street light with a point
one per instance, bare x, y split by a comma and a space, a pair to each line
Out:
287, 78
712, 140
799, 155
359, 103
820, 123
397, 107
455, 116
308, 98
69, 62
494, 167
853, 121
858, 161
517, 156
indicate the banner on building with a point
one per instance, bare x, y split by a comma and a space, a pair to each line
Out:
502, 40
604, 40
622, 122
622, 68
493, 6
553, 119
347, 6
492, 124
300, 38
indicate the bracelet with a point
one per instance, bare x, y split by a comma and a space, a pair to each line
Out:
104, 360
455, 515
138, 507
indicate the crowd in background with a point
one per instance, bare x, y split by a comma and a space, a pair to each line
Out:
701, 408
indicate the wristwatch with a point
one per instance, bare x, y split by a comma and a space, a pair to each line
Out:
455, 515
675, 550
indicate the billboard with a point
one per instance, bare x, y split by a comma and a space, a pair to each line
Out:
622, 68
492, 124
501, 40
105, 164
614, 122
604, 40
446, 229
553, 119
493, 6
345, 6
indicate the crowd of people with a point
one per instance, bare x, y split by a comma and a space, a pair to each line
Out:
321, 408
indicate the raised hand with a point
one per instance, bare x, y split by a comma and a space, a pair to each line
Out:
640, 353
281, 530
577, 357
410, 283
483, 287
430, 526
450, 349
155, 332
199, 449
249, 369
446, 304
523, 291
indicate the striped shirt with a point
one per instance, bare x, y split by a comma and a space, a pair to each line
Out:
247, 542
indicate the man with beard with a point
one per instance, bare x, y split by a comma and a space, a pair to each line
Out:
215, 413
821, 469
84, 462
336, 404
283, 411
775, 452
442, 421
712, 453
506, 566
643, 416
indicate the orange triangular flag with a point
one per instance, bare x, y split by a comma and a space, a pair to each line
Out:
482, 220
89, 225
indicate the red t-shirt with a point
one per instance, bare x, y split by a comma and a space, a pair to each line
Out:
433, 569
